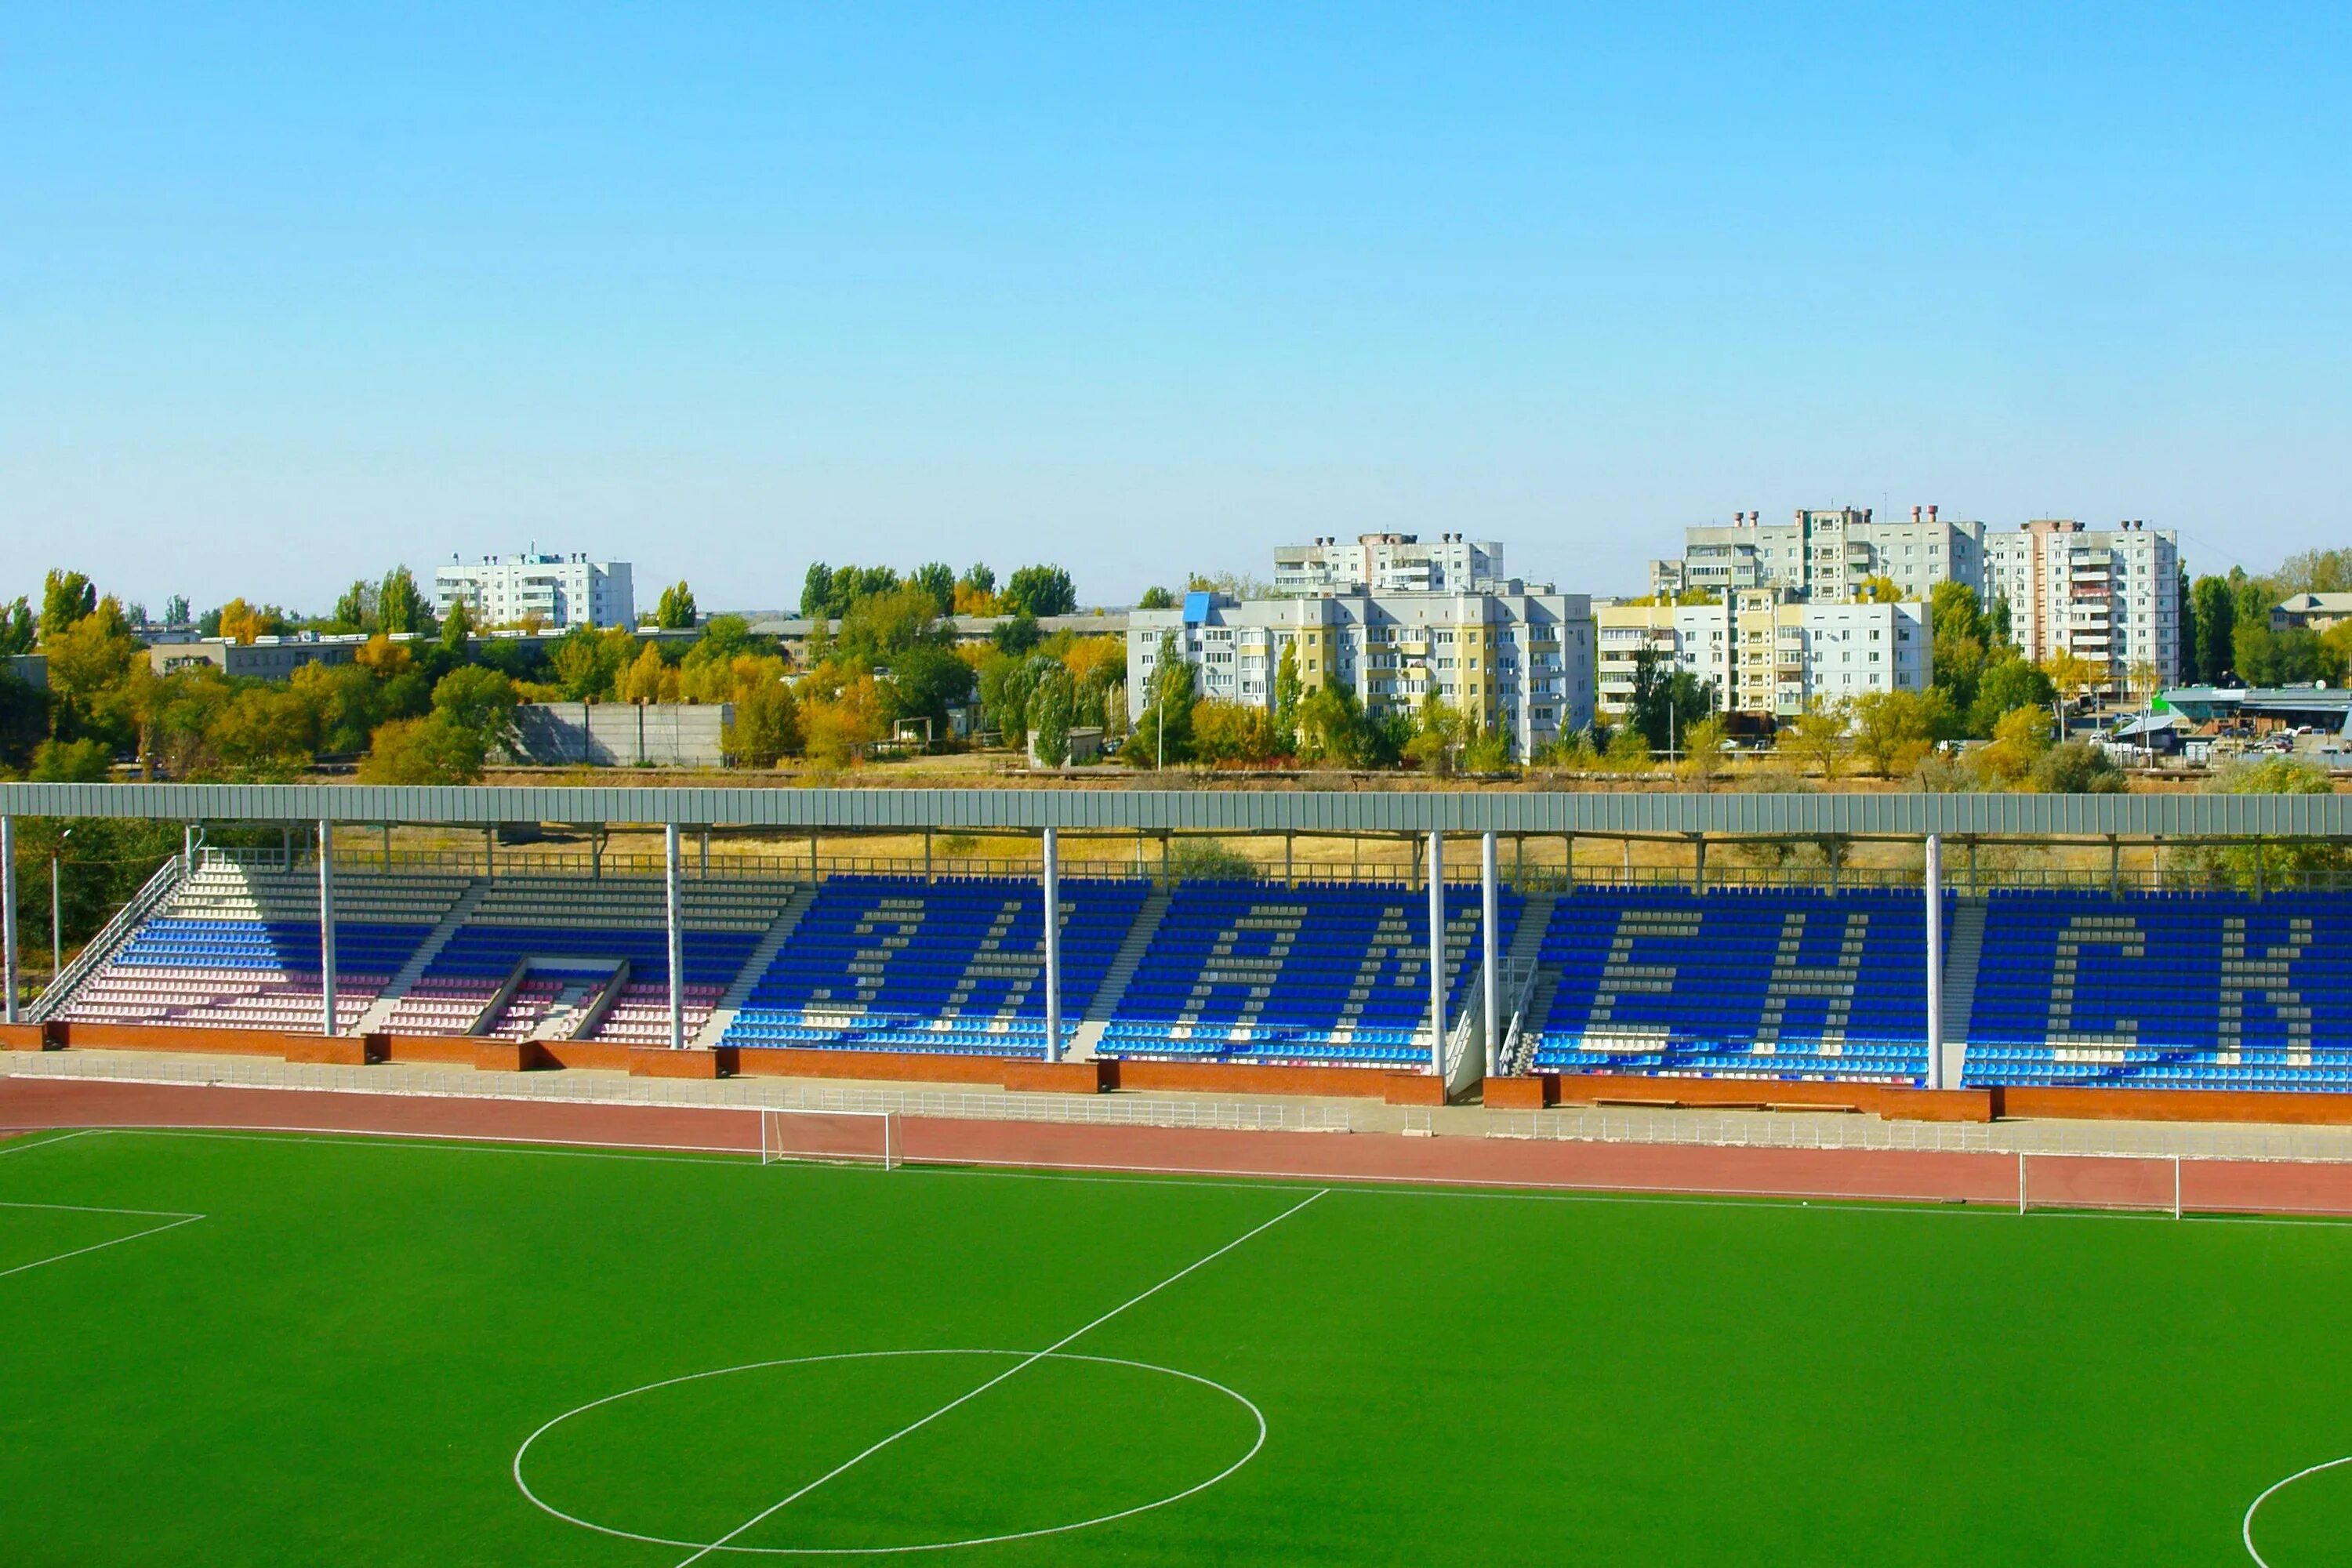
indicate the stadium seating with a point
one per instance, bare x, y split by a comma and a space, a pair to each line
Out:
1334, 975
2170, 991
899, 963
238, 948
1777, 983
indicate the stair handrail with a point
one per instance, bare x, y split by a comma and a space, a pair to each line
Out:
101, 947
1523, 992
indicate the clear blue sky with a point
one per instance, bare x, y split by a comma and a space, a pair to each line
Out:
290, 293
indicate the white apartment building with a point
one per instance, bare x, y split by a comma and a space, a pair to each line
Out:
558, 591
1522, 661
1390, 564
2108, 595
1767, 653
1824, 555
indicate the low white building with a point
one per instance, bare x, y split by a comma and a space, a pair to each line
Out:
557, 591
1522, 661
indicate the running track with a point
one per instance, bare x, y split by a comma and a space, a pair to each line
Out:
2271, 1187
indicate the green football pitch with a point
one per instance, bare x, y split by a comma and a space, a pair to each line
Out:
274, 1349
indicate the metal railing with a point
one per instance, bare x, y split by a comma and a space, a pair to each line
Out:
96, 952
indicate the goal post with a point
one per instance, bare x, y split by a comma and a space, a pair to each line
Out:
2148, 1184
829, 1137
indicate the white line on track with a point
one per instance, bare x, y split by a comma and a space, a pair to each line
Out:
97, 1246
2246, 1529
1013, 1370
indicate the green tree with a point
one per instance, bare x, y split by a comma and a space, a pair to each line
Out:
1050, 701
71, 762
766, 726
17, 631
457, 630
175, 610
400, 607
675, 612
66, 598
1667, 700
2076, 767
1289, 690
1893, 731
817, 592
1332, 727
587, 663
2019, 739
1017, 633
264, 736
355, 611
1703, 743
2275, 862
925, 682
1817, 737
2315, 572
1157, 599
1628, 750
2007, 685
482, 701
2214, 614
1878, 589
1165, 727
880, 627
1961, 639
1040, 591
937, 579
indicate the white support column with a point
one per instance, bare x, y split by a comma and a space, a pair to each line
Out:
8, 914
1437, 953
677, 922
1052, 905
326, 926
1935, 882
1490, 900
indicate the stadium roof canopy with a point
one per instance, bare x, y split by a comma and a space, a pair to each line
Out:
1219, 811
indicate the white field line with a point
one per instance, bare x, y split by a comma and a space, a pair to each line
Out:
1013, 1371
2246, 1527
97, 1246
13, 1144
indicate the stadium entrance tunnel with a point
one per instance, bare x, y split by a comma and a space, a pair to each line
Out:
888, 1451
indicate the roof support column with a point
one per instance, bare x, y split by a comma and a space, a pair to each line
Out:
1437, 953
1052, 903
8, 914
1933, 878
1490, 901
673, 919
327, 926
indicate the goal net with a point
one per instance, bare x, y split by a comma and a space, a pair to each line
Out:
2149, 1183
836, 1137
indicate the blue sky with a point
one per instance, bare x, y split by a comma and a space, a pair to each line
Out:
290, 293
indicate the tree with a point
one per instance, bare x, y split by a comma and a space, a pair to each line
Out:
2275, 862
1627, 752
1157, 599
2073, 675
427, 750
1998, 621
767, 726
1961, 638
1017, 633
1165, 727
17, 631
1289, 690
879, 628
817, 592
457, 630
1878, 589
647, 678
2077, 767
399, 606
1232, 732
839, 727
1050, 702
246, 623
2214, 617
675, 612
2008, 684
2018, 738
175, 610
264, 736
71, 762
587, 663
1704, 742
355, 610
480, 701
1439, 733
1893, 731
2315, 572
1040, 591
925, 682
975, 592
937, 579
1817, 737
2267, 658
1667, 698
66, 598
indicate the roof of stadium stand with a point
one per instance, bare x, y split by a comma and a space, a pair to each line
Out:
1218, 811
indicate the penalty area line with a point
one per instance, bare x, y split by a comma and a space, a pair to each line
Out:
1013, 1370
96, 1247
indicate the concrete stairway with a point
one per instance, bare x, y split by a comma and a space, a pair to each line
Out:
787, 918
380, 1010
1962, 953
1519, 958
1113, 989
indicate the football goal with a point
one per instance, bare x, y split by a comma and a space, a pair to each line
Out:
835, 1137
2143, 1182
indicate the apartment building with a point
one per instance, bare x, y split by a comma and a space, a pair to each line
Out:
1765, 652
2108, 595
1521, 660
556, 591
1824, 555
1390, 564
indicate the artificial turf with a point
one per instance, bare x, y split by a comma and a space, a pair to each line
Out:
341, 1360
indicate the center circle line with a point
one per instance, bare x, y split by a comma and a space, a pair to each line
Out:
1258, 1443
2246, 1529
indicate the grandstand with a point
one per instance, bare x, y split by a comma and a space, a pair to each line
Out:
2115, 987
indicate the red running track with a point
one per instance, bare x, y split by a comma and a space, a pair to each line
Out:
2235, 1186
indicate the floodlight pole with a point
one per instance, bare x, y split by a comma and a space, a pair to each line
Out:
1437, 953
8, 913
1052, 902
676, 937
1934, 878
1490, 917
326, 926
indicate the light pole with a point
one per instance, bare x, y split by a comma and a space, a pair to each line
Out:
56, 912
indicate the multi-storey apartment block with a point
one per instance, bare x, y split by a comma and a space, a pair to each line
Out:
559, 591
1390, 564
1825, 556
2108, 595
1522, 661
1767, 653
